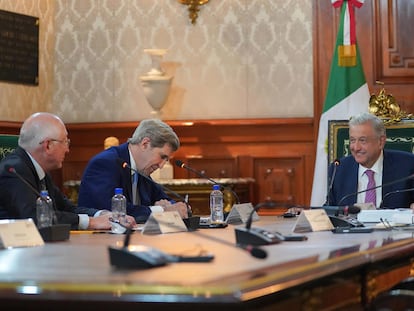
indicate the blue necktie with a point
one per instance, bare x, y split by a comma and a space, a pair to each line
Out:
135, 191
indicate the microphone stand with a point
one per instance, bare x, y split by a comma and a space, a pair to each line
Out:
391, 193
181, 164
256, 236
55, 232
328, 194
372, 188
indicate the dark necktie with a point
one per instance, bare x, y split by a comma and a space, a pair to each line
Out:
135, 190
371, 196
43, 184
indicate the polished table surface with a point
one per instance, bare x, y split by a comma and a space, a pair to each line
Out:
79, 269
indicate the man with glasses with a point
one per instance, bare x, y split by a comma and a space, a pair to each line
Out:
371, 166
42, 146
149, 148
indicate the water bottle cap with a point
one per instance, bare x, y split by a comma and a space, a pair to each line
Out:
44, 193
216, 187
119, 191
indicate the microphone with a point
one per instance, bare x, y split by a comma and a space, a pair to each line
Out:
257, 236
391, 193
249, 247
56, 232
181, 164
339, 210
192, 222
372, 188
254, 251
328, 194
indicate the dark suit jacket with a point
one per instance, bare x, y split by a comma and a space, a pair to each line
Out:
104, 173
397, 165
18, 201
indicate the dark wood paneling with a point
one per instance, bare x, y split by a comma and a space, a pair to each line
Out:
220, 148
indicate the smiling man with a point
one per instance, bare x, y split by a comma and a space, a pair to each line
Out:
149, 148
370, 166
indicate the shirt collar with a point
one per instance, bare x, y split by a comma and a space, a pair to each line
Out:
133, 164
39, 170
377, 167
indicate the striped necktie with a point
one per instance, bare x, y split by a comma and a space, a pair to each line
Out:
371, 196
135, 191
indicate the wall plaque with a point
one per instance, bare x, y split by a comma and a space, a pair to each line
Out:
19, 48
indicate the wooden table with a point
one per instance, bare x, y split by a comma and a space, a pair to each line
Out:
326, 272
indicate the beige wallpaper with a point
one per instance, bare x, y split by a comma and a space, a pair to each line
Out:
242, 59
18, 101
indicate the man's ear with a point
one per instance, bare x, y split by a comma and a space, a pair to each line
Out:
146, 142
383, 140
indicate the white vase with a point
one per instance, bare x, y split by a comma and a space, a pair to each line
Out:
156, 84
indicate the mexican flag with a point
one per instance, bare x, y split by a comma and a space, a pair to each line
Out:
347, 93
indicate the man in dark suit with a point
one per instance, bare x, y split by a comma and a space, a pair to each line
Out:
43, 144
367, 136
149, 148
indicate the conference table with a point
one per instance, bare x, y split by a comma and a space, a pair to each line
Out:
328, 271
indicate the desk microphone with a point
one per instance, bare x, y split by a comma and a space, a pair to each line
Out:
391, 193
55, 232
181, 164
339, 210
192, 222
328, 194
256, 236
372, 188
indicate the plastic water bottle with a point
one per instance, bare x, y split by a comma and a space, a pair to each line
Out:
118, 206
216, 205
44, 210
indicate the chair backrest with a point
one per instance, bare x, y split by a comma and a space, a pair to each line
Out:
400, 136
7, 144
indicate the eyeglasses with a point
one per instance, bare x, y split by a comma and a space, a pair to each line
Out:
65, 141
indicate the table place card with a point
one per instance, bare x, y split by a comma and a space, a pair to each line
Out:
19, 233
164, 222
240, 213
313, 220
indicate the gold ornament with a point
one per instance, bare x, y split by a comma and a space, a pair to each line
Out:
384, 106
193, 8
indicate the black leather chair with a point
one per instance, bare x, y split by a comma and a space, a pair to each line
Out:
7, 144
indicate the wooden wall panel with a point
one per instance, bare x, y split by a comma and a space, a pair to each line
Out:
385, 41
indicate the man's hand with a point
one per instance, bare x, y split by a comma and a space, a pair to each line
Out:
102, 222
180, 207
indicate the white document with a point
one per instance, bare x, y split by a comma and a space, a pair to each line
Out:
240, 213
164, 222
313, 220
19, 233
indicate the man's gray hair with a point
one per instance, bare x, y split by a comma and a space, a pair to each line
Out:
366, 117
158, 132
34, 129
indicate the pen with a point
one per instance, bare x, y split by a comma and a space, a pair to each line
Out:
189, 212
86, 232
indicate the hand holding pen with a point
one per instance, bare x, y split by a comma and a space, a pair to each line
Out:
189, 211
